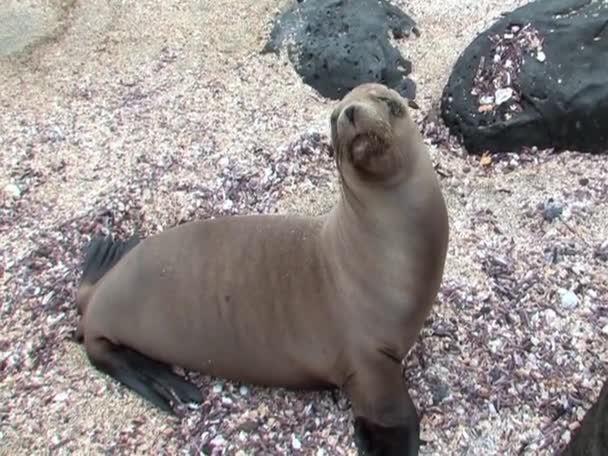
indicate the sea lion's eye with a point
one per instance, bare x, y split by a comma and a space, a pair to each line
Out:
395, 107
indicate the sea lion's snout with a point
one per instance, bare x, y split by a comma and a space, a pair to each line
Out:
360, 123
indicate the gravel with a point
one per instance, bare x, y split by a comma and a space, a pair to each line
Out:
143, 116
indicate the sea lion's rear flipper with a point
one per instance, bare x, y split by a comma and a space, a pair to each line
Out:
162, 373
102, 254
386, 421
151, 380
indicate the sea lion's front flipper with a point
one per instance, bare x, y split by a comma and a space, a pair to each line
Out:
128, 367
386, 422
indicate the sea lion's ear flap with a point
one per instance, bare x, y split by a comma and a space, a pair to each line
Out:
412, 104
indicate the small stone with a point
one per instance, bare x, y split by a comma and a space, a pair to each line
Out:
224, 162
295, 443
583, 181
552, 210
439, 391
540, 56
321, 452
534, 341
244, 390
228, 204
574, 426
217, 388
13, 191
503, 95
61, 397
227, 401
47, 298
605, 330
569, 299
601, 252
550, 316
218, 441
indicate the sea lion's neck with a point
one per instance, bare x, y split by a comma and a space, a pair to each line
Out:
388, 245
392, 215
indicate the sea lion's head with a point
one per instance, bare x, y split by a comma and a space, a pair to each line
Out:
369, 131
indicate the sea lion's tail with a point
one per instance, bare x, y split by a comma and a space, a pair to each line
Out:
101, 255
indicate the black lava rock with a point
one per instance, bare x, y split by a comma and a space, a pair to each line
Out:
336, 45
591, 439
549, 59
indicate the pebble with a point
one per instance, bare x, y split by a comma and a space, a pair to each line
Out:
569, 298
605, 329
244, 390
552, 210
574, 426
321, 452
217, 388
295, 443
503, 95
61, 397
228, 204
541, 57
550, 316
218, 441
13, 191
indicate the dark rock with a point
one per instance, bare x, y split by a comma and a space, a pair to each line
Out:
591, 438
552, 210
336, 45
537, 77
601, 252
439, 390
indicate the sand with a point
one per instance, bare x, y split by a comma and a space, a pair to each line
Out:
137, 114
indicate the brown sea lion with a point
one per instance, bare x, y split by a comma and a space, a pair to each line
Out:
283, 300
591, 438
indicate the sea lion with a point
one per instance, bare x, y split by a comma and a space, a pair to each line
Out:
591, 438
335, 300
